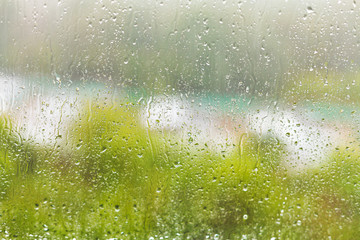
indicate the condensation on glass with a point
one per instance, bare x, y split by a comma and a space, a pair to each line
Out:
179, 119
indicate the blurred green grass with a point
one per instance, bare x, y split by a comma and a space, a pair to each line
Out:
116, 178
326, 86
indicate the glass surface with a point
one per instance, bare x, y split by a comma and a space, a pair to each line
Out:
179, 119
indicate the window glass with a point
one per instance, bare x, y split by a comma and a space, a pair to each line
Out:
179, 119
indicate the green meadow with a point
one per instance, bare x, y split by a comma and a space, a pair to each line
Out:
112, 178
112, 175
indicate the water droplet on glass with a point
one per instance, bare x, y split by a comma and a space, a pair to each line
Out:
117, 208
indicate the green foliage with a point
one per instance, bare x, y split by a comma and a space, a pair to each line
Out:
17, 157
323, 86
118, 179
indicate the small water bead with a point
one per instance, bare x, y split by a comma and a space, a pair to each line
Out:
117, 208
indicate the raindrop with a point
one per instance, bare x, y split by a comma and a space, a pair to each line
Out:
309, 9
117, 208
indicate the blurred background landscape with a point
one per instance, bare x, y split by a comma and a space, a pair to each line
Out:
179, 119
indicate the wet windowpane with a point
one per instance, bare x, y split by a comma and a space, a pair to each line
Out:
185, 119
